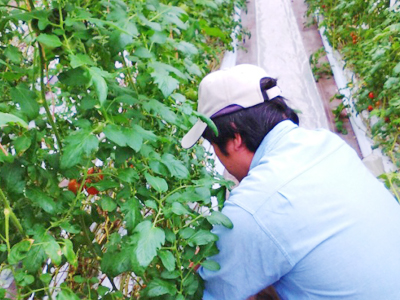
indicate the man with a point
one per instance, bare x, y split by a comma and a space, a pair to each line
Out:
308, 217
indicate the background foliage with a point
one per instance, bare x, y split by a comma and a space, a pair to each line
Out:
367, 34
94, 98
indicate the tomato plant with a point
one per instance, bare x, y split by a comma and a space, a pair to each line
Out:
366, 33
88, 90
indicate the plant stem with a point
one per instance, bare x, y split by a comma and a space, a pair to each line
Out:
7, 228
45, 104
13, 217
16, 7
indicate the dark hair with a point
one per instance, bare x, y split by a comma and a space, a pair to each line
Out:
252, 123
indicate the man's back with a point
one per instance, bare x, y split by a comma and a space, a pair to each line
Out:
310, 219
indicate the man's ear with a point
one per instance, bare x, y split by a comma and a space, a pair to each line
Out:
238, 143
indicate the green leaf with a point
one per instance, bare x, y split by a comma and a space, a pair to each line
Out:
175, 166
42, 200
163, 67
172, 17
145, 134
99, 83
179, 209
211, 265
207, 3
105, 184
102, 290
125, 136
132, 215
107, 203
166, 83
187, 48
202, 237
186, 232
115, 134
153, 25
79, 144
36, 256
74, 229
161, 109
170, 275
22, 144
157, 183
128, 175
218, 218
134, 139
158, 37
13, 54
80, 60
27, 99
53, 249
68, 251
18, 252
151, 204
392, 81
114, 263
45, 278
143, 52
179, 98
79, 279
23, 279
76, 77
180, 297
168, 259
208, 121
150, 240
158, 287
49, 40
192, 68
396, 69
213, 31
67, 294
9, 118
127, 99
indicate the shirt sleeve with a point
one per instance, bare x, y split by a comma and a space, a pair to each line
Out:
249, 257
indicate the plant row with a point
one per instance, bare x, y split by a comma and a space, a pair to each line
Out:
98, 199
367, 34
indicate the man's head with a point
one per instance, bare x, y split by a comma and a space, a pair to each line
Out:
245, 104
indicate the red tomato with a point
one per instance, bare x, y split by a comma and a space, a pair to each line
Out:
92, 190
387, 120
371, 95
73, 186
370, 107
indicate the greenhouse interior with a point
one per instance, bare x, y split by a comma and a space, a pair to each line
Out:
205, 149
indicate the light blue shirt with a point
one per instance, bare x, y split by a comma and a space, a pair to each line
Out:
310, 219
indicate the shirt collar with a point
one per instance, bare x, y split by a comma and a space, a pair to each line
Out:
271, 139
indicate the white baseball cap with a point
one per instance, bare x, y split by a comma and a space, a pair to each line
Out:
239, 85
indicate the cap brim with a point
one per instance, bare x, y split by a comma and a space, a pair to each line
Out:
193, 134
